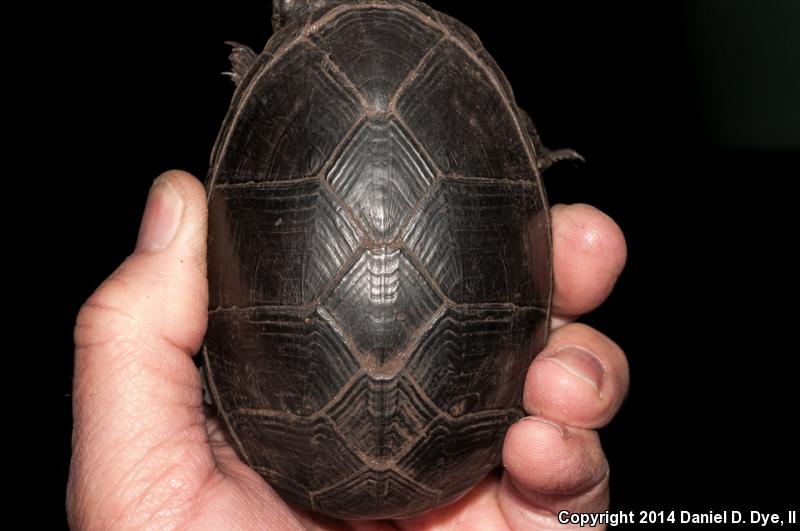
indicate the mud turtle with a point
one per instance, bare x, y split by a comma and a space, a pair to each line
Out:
379, 257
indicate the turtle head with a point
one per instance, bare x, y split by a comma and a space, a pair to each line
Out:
288, 11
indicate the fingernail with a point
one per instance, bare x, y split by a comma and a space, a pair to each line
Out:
581, 363
162, 217
547, 424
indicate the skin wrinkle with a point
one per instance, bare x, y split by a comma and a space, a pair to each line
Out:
516, 507
155, 494
547, 506
151, 457
87, 335
194, 431
210, 483
113, 329
179, 458
562, 431
99, 307
95, 429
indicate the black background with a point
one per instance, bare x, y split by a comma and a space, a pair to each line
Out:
687, 116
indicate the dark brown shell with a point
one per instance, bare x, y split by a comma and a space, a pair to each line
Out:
379, 261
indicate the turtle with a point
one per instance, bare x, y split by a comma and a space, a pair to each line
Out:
379, 258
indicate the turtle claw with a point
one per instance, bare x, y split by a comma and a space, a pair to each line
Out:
549, 157
242, 58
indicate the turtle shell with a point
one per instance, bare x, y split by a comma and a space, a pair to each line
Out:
379, 261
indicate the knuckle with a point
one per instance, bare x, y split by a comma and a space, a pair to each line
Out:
104, 316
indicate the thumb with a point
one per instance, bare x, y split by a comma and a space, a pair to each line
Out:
137, 400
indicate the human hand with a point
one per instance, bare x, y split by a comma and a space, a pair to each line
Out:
146, 455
